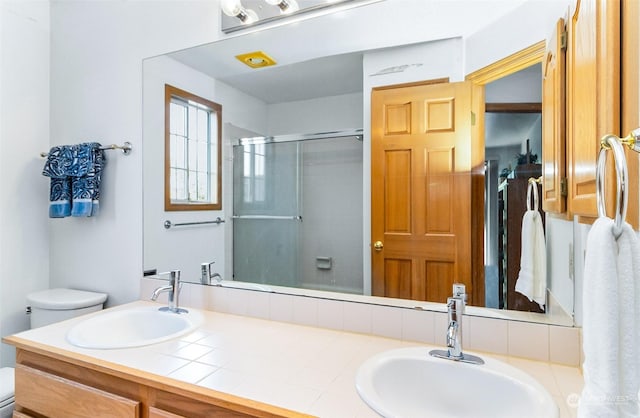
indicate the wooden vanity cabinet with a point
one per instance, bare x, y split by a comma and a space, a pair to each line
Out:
53, 396
59, 384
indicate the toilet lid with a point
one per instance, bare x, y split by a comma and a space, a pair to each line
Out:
62, 299
7, 384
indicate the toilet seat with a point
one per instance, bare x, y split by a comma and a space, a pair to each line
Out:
7, 386
65, 299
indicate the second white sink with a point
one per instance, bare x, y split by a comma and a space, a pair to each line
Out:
133, 327
408, 382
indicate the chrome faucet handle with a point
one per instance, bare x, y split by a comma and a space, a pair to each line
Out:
452, 330
206, 272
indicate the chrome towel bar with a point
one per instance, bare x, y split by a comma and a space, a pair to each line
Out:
168, 224
126, 148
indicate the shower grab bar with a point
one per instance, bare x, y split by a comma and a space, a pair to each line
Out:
294, 218
168, 224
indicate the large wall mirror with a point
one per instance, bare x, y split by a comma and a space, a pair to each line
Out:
296, 154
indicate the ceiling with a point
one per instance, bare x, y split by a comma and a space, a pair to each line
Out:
323, 57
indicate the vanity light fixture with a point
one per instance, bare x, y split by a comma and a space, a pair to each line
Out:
234, 8
286, 6
240, 14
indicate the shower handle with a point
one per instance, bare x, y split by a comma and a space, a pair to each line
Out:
378, 246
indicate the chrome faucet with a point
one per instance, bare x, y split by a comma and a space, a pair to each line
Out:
206, 273
455, 310
173, 288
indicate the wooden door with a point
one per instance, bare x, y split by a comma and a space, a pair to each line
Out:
593, 96
553, 122
421, 190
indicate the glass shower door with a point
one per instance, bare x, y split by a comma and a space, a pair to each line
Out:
267, 213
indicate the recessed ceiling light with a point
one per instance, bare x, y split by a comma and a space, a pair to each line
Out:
257, 59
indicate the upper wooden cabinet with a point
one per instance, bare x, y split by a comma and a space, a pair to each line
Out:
553, 122
630, 98
593, 97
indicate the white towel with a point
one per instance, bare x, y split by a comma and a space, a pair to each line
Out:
611, 323
532, 278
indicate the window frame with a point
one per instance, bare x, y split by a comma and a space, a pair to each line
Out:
169, 205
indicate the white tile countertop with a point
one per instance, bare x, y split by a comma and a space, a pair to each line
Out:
302, 368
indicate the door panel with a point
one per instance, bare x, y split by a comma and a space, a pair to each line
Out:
397, 191
421, 190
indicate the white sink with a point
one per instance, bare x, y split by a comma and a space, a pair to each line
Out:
133, 327
408, 382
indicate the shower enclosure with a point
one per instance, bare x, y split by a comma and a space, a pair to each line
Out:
297, 211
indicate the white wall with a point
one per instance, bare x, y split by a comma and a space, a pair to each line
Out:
97, 50
24, 133
531, 22
316, 115
169, 249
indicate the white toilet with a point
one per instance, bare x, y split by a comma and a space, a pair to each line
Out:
54, 305
48, 306
6, 392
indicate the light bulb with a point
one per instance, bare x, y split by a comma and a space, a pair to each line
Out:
250, 17
231, 7
286, 6
292, 6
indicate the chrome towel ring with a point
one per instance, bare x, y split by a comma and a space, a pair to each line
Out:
533, 186
613, 143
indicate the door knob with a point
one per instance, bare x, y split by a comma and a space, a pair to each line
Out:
378, 246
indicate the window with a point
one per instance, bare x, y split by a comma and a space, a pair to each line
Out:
193, 175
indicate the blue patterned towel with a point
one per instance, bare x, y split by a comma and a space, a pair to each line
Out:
85, 184
57, 165
75, 172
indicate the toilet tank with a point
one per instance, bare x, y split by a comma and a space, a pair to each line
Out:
54, 305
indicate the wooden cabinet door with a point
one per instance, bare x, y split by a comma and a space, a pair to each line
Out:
593, 96
421, 163
56, 397
159, 413
553, 122
631, 99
